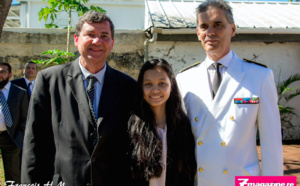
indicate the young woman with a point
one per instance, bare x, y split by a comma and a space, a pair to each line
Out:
163, 147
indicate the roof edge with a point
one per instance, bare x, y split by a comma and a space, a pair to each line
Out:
238, 31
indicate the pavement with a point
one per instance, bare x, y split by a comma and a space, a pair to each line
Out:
291, 158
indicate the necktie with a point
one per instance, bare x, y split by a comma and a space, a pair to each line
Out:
217, 78
5, 110
90, 93
28, 88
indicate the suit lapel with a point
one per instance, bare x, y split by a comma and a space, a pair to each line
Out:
228, 87
204, 88
24, 84
108, 93
77, 87
12, 98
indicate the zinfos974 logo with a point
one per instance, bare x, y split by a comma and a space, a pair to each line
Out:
265, 181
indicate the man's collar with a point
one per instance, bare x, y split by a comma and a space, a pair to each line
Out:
225, 61
27, 81
7, 86
99, 75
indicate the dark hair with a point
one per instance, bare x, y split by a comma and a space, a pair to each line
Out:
220, 4
31, 62
147, 146
6, 64
94, 17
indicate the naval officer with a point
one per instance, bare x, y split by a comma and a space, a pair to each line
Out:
226, 99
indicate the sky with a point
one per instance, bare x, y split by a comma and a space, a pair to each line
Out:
15, 2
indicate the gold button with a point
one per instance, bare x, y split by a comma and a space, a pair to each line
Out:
225, 171
200, 143
196, 119
200, 170
223, 143
231, 118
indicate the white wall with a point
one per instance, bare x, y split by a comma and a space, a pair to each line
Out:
125, 14
183, 54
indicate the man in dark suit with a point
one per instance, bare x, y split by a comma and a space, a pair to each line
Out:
27, 82
77, 122
13, 112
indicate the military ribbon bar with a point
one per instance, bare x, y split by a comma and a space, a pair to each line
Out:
246, 100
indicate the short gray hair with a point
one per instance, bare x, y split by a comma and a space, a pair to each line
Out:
221, 4
94, 17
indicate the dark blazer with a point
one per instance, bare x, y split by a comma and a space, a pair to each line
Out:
18, 104
21, 83
58, 144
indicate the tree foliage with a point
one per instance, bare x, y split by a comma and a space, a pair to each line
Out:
58, 57
285, 95
55, 7
50, 14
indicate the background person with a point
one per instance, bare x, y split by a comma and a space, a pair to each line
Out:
13, 113
226, 99
27, 82
76, 132
163, 144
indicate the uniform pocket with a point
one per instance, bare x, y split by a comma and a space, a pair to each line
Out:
252, 170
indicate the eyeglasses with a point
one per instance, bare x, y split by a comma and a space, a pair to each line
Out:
3, 72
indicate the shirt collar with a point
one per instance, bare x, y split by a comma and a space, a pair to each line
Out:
27, 81
225, 61
99, 75
7, 86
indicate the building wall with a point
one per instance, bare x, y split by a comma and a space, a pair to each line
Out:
125, 14
18, 46
183, 54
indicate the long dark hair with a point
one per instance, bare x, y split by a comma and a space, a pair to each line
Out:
147, 146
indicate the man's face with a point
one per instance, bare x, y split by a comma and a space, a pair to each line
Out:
94, 43
4, 76
30, 71
215, 32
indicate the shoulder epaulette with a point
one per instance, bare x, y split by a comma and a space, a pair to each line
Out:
188, 67
254, 62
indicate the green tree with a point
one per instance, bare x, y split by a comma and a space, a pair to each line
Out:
58, 57
285, 95
51, 13
55, 7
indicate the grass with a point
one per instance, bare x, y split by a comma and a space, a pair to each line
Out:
2, 180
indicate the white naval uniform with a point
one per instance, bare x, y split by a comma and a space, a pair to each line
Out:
225, 132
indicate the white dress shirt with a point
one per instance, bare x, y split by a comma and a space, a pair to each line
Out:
5, 92
225, 61
27, 82
98, 85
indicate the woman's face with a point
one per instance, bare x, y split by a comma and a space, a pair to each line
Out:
156, 87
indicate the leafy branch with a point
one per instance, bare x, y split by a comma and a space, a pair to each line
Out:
285, 95
58, 57
55, 7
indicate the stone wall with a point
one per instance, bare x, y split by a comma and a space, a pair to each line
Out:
18, 46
